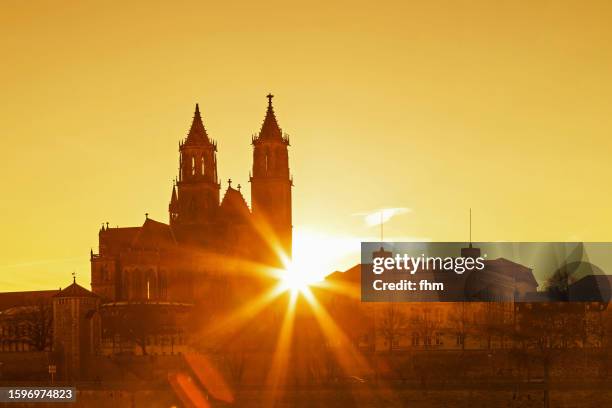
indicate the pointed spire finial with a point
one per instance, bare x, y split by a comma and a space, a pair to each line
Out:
270, 129
173, 196
197, 132
73, 276
229, 181
147, 215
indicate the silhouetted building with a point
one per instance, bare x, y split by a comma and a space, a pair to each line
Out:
407, 322
187, 259
207, 249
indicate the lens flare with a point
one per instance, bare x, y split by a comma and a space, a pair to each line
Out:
297, 278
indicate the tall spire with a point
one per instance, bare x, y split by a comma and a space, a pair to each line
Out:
270, 129
174, 198
197, 132
173, 207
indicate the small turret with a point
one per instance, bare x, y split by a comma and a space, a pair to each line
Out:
76, 329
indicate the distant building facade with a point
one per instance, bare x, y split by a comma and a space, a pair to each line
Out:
417, 325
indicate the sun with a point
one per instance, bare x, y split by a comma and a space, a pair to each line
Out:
316, 254
297, 278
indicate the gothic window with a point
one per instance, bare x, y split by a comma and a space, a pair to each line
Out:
266, 162
136, 286
198, 165
285, 158
151, 287
272, 160
142, 285
162, 284
259, 161
185, 166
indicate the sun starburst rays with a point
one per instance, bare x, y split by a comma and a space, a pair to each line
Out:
300, 281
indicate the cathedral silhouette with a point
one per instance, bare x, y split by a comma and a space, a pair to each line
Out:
205, 236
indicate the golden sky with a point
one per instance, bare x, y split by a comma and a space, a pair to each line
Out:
433, 106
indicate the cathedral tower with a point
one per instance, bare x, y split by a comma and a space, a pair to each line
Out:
270, 180
196, 196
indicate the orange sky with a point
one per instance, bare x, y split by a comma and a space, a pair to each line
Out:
504, 107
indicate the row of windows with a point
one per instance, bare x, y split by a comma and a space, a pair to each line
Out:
141, 285
13, 330
271, 160
195, 166
427, 340
14, 346
436, 339
165, 340
436, 315
160, 340
83, 301
417, 339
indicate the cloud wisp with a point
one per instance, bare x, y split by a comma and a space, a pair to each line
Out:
382, 215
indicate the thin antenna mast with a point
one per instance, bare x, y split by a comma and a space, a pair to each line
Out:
470, 227
381, 226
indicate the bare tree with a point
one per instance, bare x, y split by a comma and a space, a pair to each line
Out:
33, 326
547, 330
392, 324
459, 319
557, 285
427, 322
39, 327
